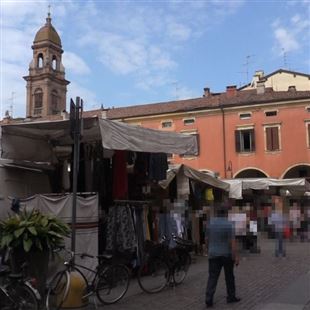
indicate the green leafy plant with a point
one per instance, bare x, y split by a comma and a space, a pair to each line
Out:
32, 231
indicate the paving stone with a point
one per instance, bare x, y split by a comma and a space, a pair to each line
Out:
260, 278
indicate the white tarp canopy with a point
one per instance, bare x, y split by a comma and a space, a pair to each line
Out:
193, 174
36, 141
238, 185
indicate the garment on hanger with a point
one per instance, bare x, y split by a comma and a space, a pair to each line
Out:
158, 166
120, 230
120, 178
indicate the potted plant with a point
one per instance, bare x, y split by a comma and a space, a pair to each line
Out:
31, 235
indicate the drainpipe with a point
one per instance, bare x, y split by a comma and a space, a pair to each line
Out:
224, 139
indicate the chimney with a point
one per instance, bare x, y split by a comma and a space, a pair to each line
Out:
260, 86
259, 74
292, 88
231, 90
206, 92
104, 114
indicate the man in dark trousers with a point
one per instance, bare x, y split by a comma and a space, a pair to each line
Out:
222, 252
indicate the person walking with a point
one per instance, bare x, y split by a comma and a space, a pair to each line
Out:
222, 252
279, 222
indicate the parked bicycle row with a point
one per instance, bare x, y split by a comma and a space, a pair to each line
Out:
108, 282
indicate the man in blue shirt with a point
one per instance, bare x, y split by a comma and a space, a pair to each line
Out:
222, 252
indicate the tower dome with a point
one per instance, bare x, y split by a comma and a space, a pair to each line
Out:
47, 33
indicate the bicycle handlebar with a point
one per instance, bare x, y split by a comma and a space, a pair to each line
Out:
82, 255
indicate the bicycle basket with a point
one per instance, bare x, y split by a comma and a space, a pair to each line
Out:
187, 245
154, 250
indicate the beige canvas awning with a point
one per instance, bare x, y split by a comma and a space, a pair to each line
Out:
238, 185
36, 141
195, 175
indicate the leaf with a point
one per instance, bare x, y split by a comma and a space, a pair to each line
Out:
32, 230
18, 232
44, 221
27, 245
54, 234
6, 240
39, 244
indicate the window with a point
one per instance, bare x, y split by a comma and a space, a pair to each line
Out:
188, 121
271, 113
166, 124
245, 140
54, 63
308, 109
40, 61
54, 102
272, 138
38, 101
245, 115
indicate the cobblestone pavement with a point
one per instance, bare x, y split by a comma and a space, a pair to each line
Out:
259, 278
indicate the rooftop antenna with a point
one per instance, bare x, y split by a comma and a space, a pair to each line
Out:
284, 58
12, 103
176, 85
246, 64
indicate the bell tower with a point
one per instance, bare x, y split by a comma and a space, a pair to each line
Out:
46, 83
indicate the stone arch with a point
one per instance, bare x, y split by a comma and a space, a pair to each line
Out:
55, 101
40, 61
301, 170
55, 63
251, 172
37, 101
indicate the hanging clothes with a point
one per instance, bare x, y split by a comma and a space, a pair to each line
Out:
158, 166
120, 178
120, 232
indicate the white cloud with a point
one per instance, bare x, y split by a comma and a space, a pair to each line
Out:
178, 31
13, 83
286, 40
226, 7
292, 34
183, 92
151, 81
75, 64
89, 97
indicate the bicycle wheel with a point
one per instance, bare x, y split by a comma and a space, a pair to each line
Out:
153, 275
6, 303
57, 290
23, 297
181, 267
112, 283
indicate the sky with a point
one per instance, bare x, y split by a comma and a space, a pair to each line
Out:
122, 53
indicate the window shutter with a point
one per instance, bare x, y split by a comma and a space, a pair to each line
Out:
237, 140
275, 138
269, 138
198, 143
252, 133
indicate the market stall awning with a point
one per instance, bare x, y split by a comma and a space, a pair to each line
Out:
36, 141
238, 185
195, 175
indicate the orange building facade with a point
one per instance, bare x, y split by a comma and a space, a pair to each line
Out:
241, 133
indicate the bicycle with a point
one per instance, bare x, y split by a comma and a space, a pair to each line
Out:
110, 281
163, 266
17, 292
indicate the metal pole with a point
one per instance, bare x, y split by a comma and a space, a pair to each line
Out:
76, 151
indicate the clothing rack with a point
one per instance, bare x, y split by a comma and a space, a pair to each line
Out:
132, 202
